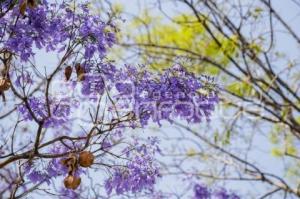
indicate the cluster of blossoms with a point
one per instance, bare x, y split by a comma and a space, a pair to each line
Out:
37, 174
140, 174
59, 111
43, 171
98, 76
52, 26
174, 93
203, 192
152, 97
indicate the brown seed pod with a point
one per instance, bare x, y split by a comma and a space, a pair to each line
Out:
86, 159
70, 162
80, 72
4, 84
68, 72
32, 3
72, 182
23, 7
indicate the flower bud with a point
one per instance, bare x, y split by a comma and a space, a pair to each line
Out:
86, 159
72, 182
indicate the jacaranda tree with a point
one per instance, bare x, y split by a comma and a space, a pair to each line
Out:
67, 110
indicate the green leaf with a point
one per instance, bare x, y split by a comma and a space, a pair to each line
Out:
240, 88
226, 141
216, 137
291, 150
277, 152
191, 152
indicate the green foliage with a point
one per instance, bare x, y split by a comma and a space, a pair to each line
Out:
240, 88
284, 145
277, 152
183, 37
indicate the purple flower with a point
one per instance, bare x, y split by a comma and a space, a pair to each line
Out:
89, 51
67, 193
174, 93
60, 111
138, 175
50, 26
124, 88
201, 192
24, 79
36, 177
93, 84
224, 194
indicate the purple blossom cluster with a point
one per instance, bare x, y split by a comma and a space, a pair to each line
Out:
38, 108
140, 174
53, 26
98, 76
203, 192
50, 170
150, 96
43, 171
174, 93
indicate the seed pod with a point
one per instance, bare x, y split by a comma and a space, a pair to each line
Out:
80, 72
70, 162
23, 7
86, 159
32, 3
68, 72
72, 182
4, 84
